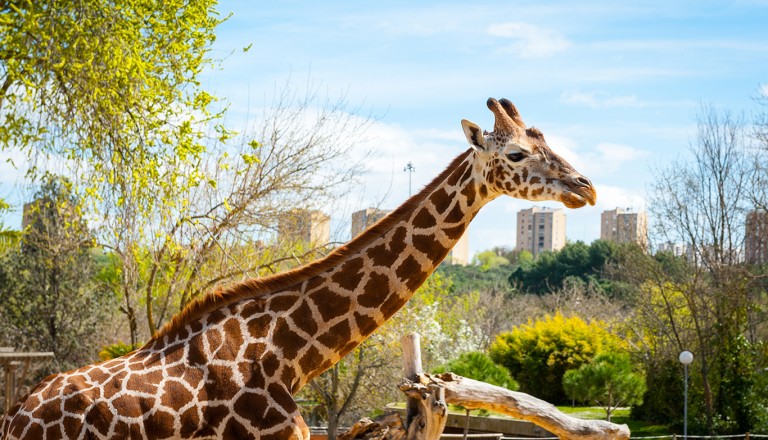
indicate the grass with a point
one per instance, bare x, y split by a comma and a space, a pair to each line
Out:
621, 416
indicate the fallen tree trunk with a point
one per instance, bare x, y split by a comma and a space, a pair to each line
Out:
426, 411
473, 394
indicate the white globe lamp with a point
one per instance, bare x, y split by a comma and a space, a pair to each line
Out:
686, 357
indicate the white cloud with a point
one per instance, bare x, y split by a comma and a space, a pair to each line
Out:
611, 197
599, 99
764, 90
529, 41
430, 151
604, 158
618, 154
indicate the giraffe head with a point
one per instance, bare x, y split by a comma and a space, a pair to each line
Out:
518, 162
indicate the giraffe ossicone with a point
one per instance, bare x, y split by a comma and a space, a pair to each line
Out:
228, 365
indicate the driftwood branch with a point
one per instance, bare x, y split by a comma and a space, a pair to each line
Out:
426, 410
473, 394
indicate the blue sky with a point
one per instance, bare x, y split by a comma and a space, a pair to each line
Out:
614, 86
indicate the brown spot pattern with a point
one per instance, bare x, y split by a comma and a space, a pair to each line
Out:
287, 339
430, 247
329, 303
348, 276
376, 289
424, 220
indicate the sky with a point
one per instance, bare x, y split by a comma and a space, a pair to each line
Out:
614, 86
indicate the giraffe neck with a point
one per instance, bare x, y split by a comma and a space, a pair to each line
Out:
294, 326
350, 301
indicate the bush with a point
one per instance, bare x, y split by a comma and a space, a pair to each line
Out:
539, 353
116, 350
479, 366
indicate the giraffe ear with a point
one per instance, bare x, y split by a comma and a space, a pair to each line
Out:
474, 134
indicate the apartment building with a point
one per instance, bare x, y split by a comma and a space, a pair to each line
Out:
756, 237
365, 218
308, 225
540, 229
624, 226
459, 255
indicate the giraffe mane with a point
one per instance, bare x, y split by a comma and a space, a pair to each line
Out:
257, 287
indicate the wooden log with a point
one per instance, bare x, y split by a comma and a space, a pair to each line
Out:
427, 412
473, 394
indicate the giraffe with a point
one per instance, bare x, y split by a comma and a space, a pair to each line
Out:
227, 366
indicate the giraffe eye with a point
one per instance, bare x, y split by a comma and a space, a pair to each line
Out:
516, 157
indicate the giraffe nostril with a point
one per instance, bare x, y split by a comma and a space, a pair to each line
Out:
582, 181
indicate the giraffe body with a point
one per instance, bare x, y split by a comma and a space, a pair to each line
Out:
228, 365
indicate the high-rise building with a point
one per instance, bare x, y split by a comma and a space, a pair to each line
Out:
540, 229
756, 237
677, 249
311, 226
624, 226
365, 218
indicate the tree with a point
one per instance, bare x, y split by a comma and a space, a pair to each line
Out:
539, 353
607, 380
549, 271
111, 91
489, 260
758, 158
712, 302
50, 300
225, 222
9, 238
479, 366
114, 84
469, 278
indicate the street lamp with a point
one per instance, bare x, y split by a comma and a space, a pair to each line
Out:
686, 357
410, 169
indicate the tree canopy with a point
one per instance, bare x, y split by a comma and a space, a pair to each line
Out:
539, 353
549, 271
51, 298
113, 85
608, 380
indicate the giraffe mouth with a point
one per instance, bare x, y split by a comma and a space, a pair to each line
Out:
579, 197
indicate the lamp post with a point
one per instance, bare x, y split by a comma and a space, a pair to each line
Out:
686, 357
410, 169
